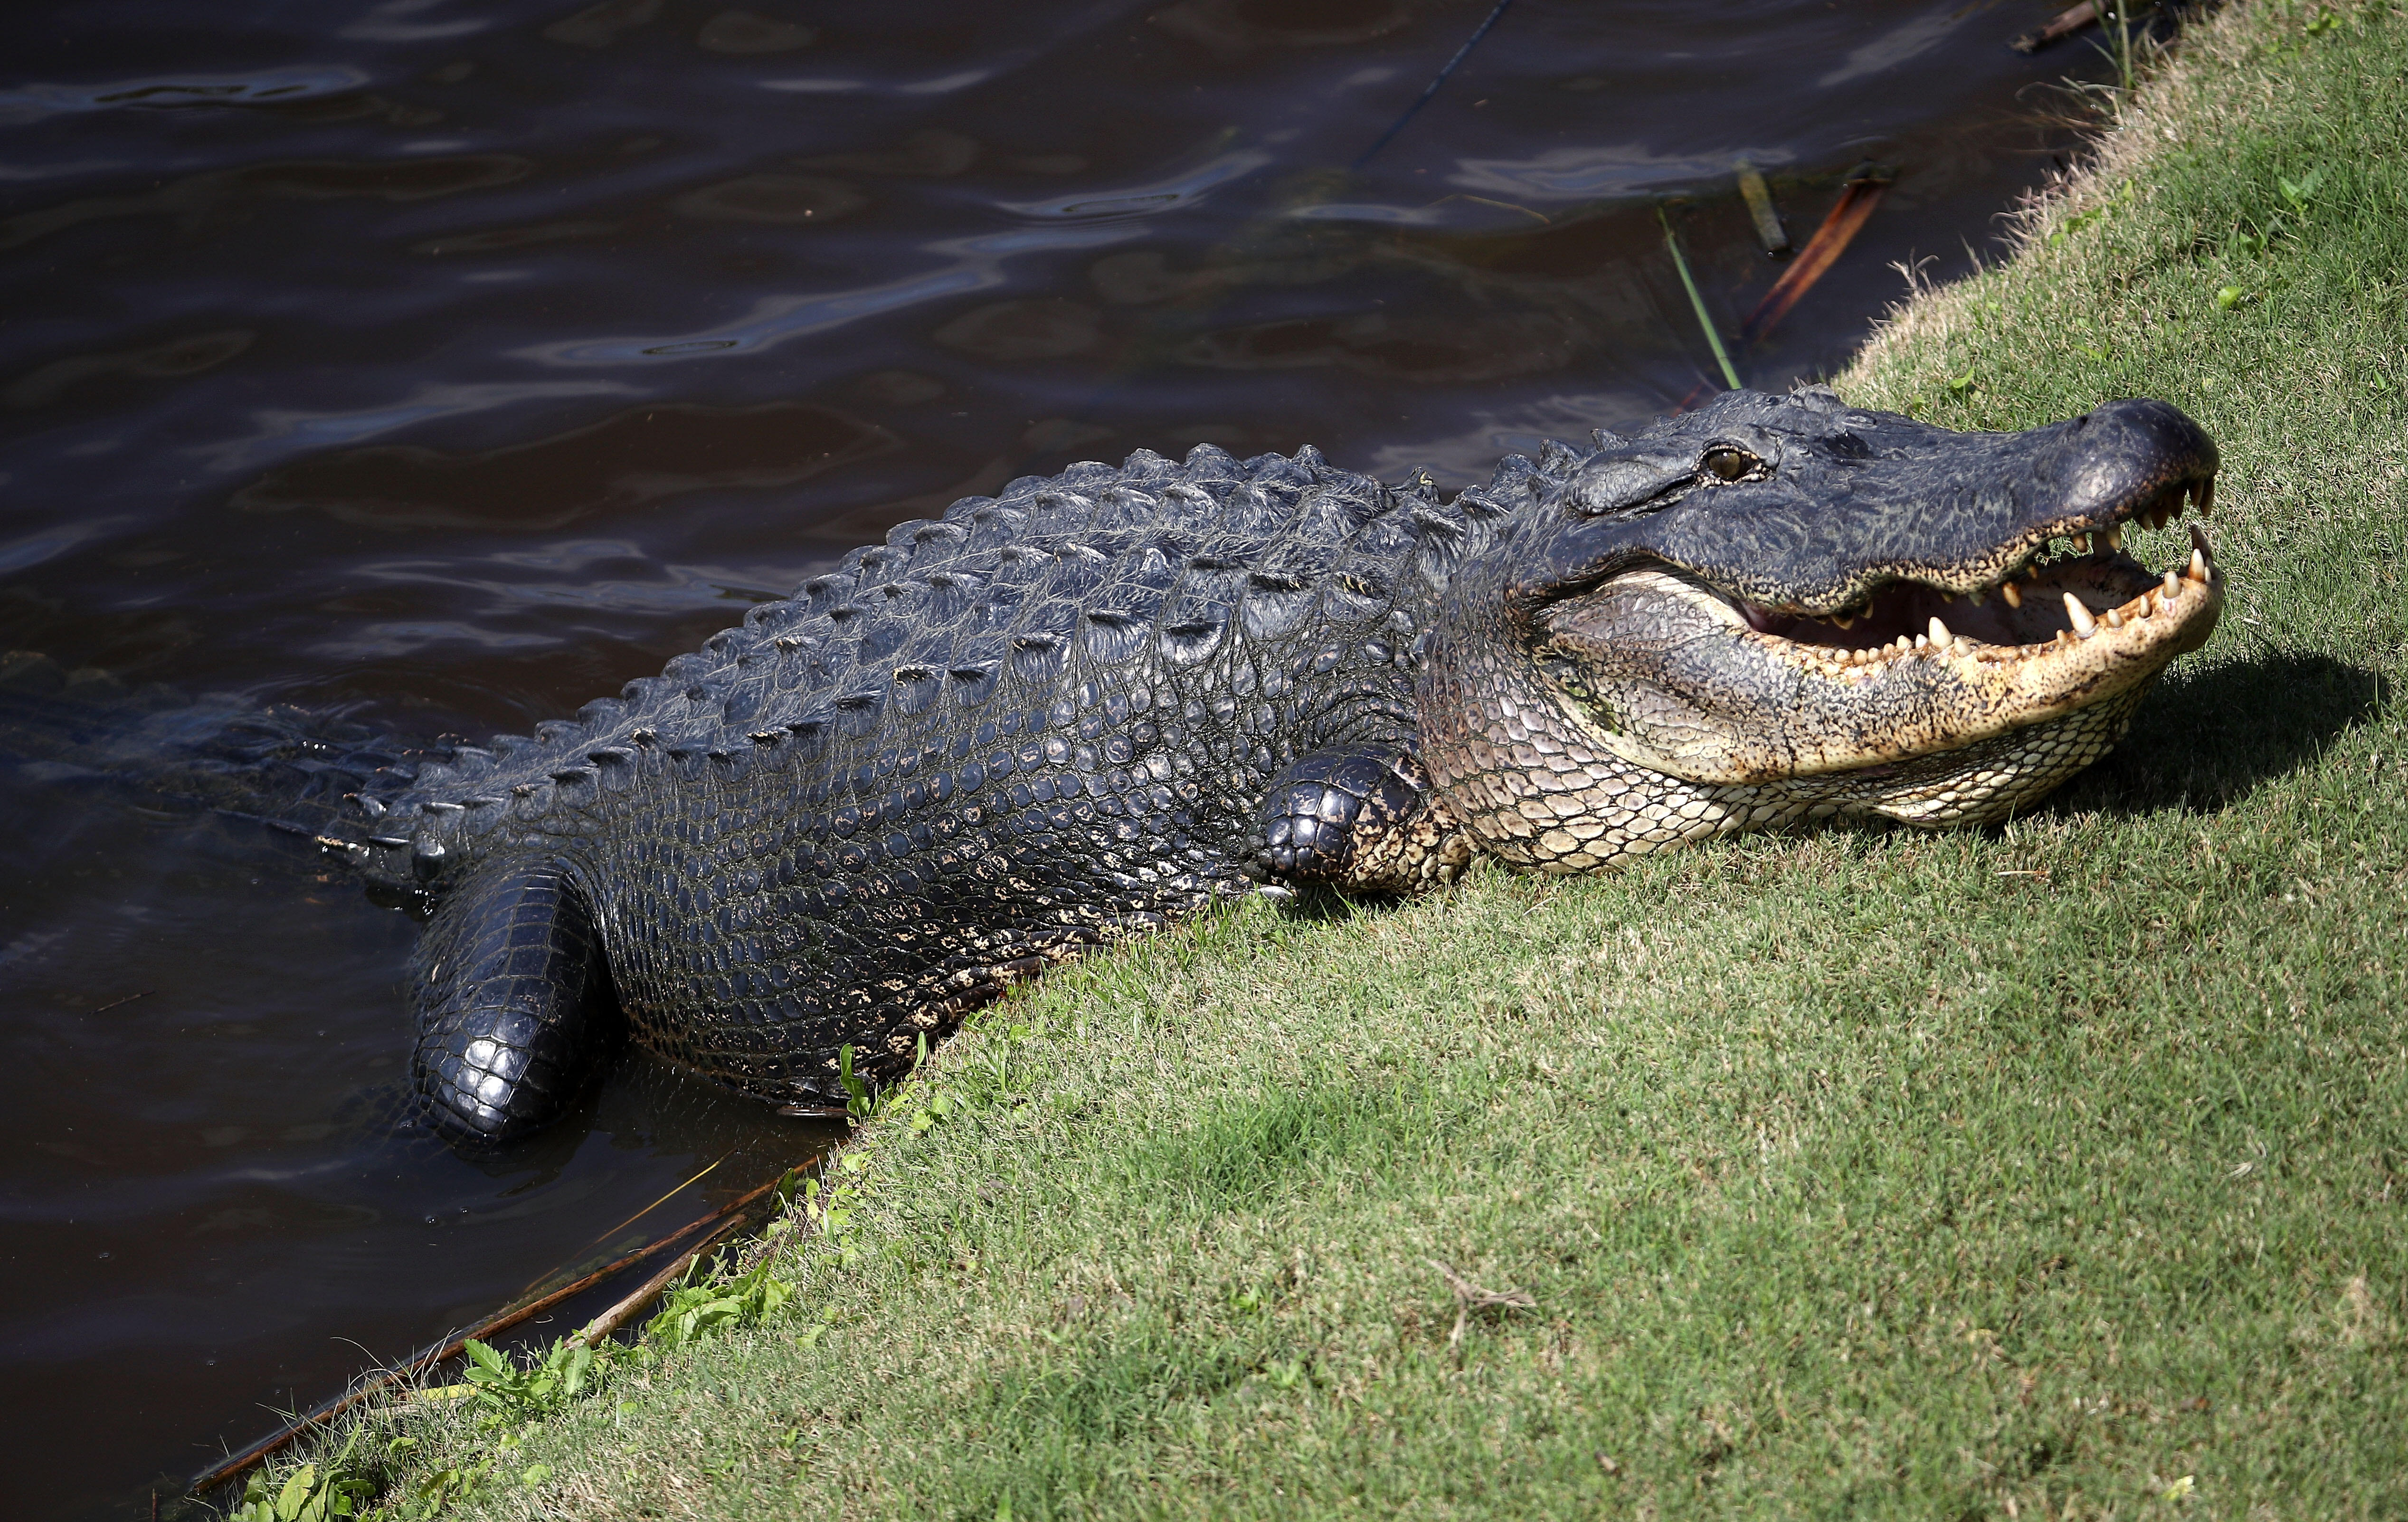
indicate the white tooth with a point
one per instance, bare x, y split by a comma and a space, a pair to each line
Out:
2198, 567
1920, 642
2174, 584
1904, 643
1939, 635
2014, 598
2114, 619
2083, 625
1963, 646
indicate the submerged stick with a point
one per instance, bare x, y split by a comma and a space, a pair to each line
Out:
1761, 211
599, 1329
1431, 89
663, 1201
425, 1358
2066, 24
1830, 242
1697, 301
500, 1321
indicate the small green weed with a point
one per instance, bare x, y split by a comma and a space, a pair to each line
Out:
312, 1493
2300, 194
857, 1101
694, 1311
511, 1394
343, 1487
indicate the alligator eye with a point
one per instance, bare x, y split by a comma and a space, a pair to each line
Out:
1728, 462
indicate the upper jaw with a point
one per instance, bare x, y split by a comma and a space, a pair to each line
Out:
2056, 605
1836, 519
2039, 586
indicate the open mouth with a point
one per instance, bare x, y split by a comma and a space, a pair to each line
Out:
1686, 678
2058, 592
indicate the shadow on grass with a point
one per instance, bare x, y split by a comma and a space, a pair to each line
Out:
1319, 905
2212, 734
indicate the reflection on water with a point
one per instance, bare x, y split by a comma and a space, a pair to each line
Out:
774, 320
623, 460
443, 365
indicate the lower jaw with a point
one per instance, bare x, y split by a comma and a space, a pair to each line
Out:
1610, 815
1982, 783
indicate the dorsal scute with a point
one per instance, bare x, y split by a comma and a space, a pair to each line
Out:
927, 542
772, 616
1146, 467
1210, 462
1557, 460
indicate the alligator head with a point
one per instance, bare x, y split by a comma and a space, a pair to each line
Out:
1784, 607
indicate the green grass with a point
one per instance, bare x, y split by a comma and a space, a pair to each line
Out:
2059, 1170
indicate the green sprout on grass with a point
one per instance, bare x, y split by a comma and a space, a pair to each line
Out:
511, 1394
857, 1102
2298, 194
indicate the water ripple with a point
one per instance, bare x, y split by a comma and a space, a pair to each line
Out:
282, 433
774, 320
269, 87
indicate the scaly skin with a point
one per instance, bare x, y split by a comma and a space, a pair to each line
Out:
1104, 701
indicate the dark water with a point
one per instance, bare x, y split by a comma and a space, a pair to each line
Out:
444, 365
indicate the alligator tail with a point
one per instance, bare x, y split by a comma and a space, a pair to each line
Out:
292, 772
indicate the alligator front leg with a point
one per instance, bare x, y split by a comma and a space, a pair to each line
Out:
1359, 818
513, 1001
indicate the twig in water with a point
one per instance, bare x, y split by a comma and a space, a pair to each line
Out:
2066, 24
418, 1363
1761, 211
597, 1330
1832, 239
1469, 1297
127, 999
1697, 302
500, 1321
1431, 89
663, 1201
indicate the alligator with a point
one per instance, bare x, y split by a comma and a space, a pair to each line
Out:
1102, 702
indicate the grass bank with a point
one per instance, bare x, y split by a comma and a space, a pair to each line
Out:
2048, 1171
